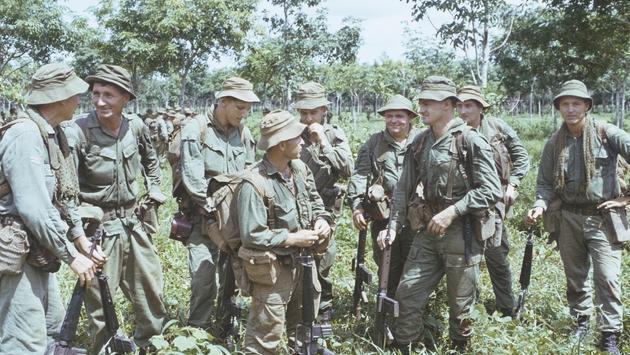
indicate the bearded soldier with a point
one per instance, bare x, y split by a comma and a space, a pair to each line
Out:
38, 191
327, 153
381, 158
578, 171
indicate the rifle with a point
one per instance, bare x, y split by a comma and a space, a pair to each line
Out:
307, 331
118, 344
69, 327
526, 273
362, 274
385, 306
229, 312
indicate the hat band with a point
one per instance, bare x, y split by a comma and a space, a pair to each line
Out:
438, 87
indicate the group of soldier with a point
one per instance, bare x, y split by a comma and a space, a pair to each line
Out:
449, 188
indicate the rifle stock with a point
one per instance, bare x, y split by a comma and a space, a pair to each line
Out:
526, 274
307, 331
63, 346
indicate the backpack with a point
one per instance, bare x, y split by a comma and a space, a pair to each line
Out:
501, 155
174, 152
622, 165
4, 187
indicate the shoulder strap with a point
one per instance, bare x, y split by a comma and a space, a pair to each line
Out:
459, 161
265, 190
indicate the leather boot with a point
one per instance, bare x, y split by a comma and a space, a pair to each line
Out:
581, 326
609, 343
459, 346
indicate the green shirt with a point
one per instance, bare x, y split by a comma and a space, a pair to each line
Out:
220, 153
603, 185
493, 129
296, 205
429, 164
25, 165
328, 163
109, 165
387, 159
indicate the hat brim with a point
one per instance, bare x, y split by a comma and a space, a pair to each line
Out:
310, 104
291, 131
99, 79
56, 93
574, 93
479, 99
436, 95
381, 111
243, 95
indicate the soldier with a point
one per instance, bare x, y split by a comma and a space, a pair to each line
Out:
327, 153
512, 163
445, 244
298, 221
112, 149
579, 168
38, 191
381, 158
226, 147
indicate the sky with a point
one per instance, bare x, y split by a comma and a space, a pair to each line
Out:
382, 26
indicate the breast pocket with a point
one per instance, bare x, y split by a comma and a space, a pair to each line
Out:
214, 158
101, 165
132, 165
286, 217
238, 158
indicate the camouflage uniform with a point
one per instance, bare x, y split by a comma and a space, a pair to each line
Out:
220, 152
429, 162
328, 163
31, 310
109, 166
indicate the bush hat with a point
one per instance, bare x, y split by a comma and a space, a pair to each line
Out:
472, 92
112, 74
573, 88
310, 96
238, 88
52, 83
398, 102
437, 88
278, 126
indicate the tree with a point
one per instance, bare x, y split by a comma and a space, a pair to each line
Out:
30, 32
470, 28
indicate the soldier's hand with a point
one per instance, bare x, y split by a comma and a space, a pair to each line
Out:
322, 228
533, 215
316, 133
91, 250
622, 201
358, 219
303, 238
441, 221
510, 195
84, 268
382, 238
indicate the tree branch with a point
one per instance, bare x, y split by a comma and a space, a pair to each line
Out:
507, 36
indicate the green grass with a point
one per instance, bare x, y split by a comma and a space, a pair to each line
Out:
544, 328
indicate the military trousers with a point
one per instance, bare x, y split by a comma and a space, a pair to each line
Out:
202, 265
134, 266
429, 259
275, 308
583, 241
500, 272
31, 311
400, 250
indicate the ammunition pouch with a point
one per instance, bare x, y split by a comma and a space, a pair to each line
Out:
616, 220
260, 266
42, 259
484, 223
181, 227
419, 213
240, 276
14, 247
552, 217
147, 213
377, 206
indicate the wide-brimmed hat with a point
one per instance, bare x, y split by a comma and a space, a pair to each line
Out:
113, 74
437, 88
238, 88
573, 88
310, 96
278, 126
397, 102
472, 92
52, 83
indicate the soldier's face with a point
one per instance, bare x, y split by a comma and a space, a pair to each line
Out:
432, 111
397, 122
235, 110
470, 112
108, 100
315, 115
573, 109
68, 106
292, 147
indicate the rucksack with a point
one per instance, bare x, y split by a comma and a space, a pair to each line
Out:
622, 165
501, 155
173, 155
